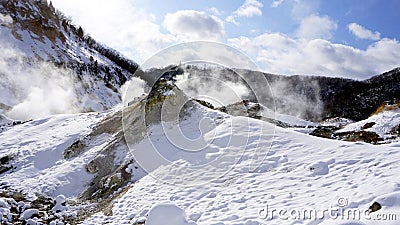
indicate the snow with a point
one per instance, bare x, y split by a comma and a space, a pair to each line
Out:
337, 122
297, 171
38, 148
5, 206
4, 120
240, 166
291, 120
60, 204
27, 214
167, 214
384, 122
231, 169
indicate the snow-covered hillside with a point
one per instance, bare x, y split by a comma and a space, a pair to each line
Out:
246, 168
299, 172
49, 65
384, 123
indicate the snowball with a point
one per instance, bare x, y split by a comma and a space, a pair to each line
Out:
27, 214
4, 203
60, 199
167, 214
319, 168
59, 207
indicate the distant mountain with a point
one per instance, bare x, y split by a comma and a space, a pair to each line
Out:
315, 97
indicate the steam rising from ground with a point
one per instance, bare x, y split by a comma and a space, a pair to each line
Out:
212, 86
33, 89
132, 89
221, 86
291, 102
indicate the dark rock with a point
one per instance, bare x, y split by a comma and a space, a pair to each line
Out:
204, 103
75, 149
395, 130
92, 167
368, 125
5, 163
325, 131
365, 136
18, 196
5, 159
223, 109
374, 207
42, 203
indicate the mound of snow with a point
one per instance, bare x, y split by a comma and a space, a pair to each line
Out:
167, 214
27, 214
38, 147
391, 201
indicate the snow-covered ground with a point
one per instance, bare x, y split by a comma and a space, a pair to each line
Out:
299, 173
381, 123
38, 148
244, 171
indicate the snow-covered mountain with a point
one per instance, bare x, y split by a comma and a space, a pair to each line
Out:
49, 65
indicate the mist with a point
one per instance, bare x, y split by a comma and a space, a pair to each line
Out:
296, 96
132, 89
302, 102
34, 89
212, 86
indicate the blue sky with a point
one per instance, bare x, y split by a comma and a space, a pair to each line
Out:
376, 15
347, 38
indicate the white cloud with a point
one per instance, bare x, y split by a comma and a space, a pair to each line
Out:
315, 26
303, 8
276, 3
363, 33
231, 19
215, 11
194, 25
119, 24
277, 53
212, 52
248, 9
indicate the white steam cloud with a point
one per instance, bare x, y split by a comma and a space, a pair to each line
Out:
32, 89
211, 87
292, 103
132, 89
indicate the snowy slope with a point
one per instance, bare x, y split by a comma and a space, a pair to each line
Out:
241, 167
51, 66
381, 123
37, 148
299, 172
